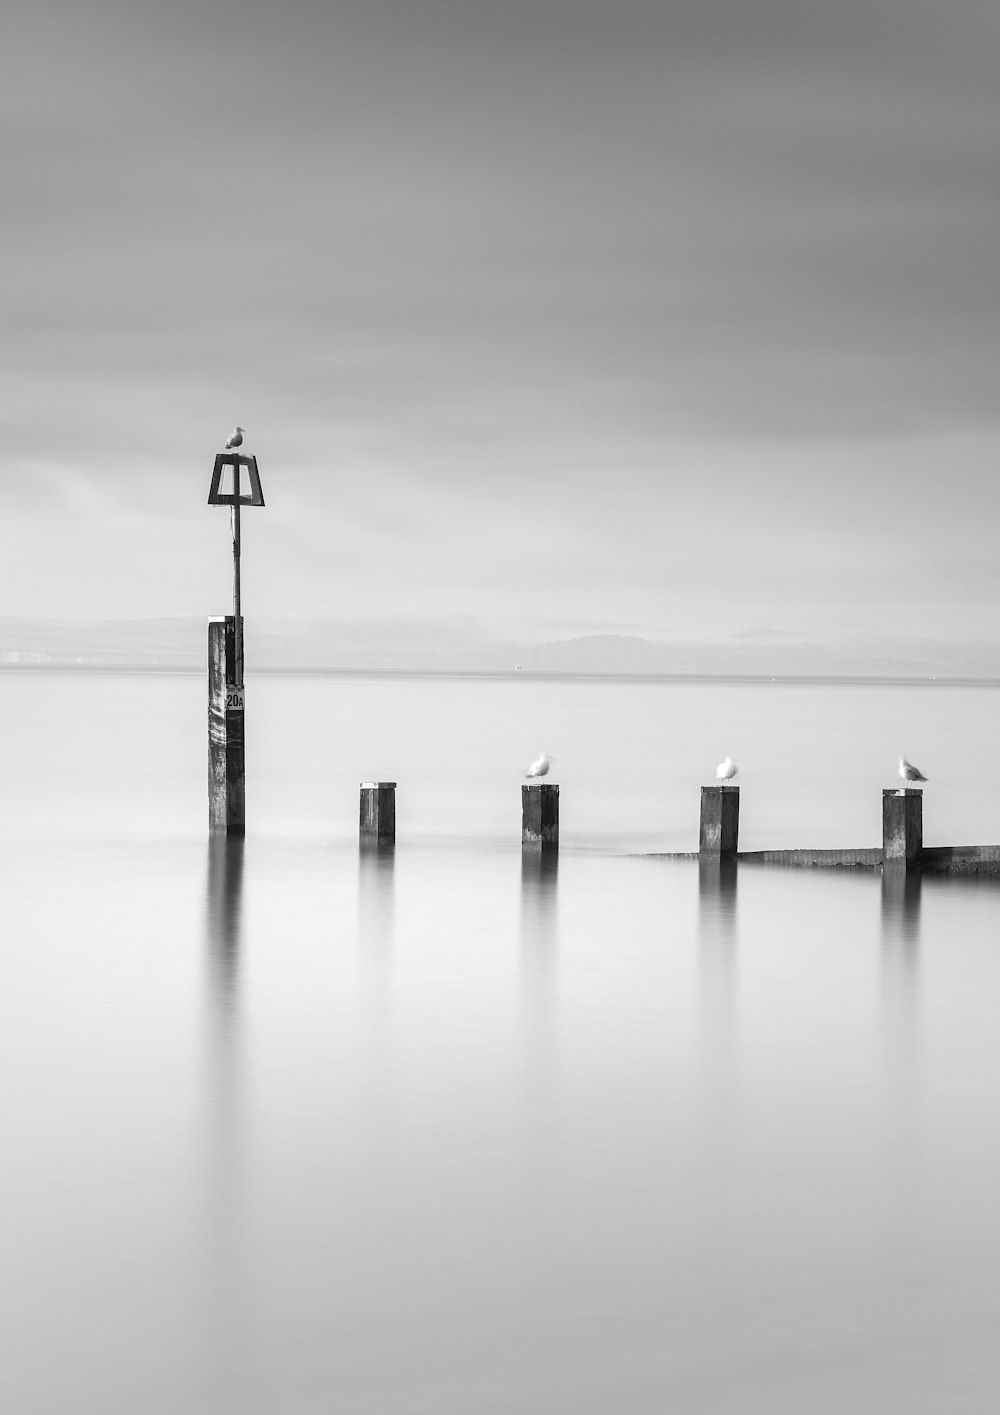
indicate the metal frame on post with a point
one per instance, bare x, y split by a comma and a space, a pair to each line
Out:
234, 500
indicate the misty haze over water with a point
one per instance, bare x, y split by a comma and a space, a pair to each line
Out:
287, 1128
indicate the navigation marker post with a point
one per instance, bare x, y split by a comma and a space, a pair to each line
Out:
226, 702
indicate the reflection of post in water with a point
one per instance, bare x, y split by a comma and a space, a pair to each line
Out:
717, 937
539, 878
539, 938
224, 915
224, 909
376, 930
901, 891
717, 931
222, 1248
900, 1023
376, 901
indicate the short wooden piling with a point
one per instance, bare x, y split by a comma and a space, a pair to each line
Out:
902, 828
539, 817
720, 823
378, 813
226, 757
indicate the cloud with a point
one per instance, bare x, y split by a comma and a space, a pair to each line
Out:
516, 297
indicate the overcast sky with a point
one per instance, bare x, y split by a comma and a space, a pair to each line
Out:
670, 317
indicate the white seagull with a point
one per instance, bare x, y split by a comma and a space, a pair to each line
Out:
909, 772
540, 767
235, 438
726, 770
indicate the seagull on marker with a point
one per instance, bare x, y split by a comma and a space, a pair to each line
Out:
540, 767
235, 438
909, 772
726, 770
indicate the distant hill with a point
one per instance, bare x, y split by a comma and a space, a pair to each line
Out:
776, 655
385, 645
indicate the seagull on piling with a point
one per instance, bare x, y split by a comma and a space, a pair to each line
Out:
540, 767
235, 438
726, 770
909, 772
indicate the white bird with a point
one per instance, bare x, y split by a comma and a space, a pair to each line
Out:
540, 767
726, 770
235, 438
909, 772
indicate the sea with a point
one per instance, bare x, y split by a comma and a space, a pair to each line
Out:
291, 1129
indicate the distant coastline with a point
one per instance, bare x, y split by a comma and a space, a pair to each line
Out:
460, 648
190, 670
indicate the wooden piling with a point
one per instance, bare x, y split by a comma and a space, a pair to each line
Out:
378, 813
539, 817
226, 759
902, 828
720, 823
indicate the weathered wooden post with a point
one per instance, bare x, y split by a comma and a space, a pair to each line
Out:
226, 757
902, 828
378, 814
720, 823
539, 817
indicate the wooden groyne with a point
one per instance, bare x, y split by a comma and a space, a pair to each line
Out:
864, 859
902, 850
961, 860
967, 860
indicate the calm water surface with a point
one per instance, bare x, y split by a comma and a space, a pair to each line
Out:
287, 1129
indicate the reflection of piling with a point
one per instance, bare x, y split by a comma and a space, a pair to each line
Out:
720, 822
226, 758
717, 883
718, 1012
376, 922
900, 1019
539, 817
539, 878
224, 908
223, 1242
224, 927
717, 923
902, 829
539, 979
378, 813
901, 890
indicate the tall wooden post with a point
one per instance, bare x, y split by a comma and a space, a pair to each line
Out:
226, 758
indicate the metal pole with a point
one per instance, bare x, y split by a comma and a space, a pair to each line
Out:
238, 626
